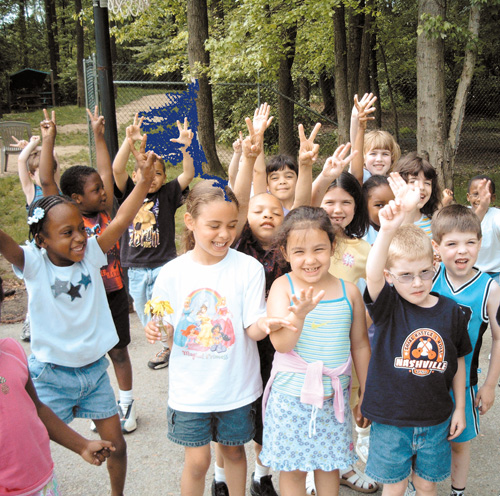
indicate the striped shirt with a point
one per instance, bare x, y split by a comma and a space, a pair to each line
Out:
325, 336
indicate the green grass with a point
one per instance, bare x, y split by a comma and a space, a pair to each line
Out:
12, 209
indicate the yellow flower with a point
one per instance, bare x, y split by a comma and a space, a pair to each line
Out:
157, 307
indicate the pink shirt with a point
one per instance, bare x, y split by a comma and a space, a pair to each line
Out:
25, 462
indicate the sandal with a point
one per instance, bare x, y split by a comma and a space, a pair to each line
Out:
358, 481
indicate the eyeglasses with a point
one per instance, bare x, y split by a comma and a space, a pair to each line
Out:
425, 275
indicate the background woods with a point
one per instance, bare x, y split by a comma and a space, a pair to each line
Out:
431, 64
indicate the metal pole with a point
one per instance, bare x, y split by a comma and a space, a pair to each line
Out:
105, 74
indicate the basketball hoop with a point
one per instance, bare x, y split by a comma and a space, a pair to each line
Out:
127, 8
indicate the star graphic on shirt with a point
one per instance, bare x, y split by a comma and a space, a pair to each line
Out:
59, 287
74, 291
85, 280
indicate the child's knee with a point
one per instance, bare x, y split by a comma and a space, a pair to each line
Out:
460, 448
424, 486
233, 454
296, 476
197, 462
119, 355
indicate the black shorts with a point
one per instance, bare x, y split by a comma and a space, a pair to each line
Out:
118, 304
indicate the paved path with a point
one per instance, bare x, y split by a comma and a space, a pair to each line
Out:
155, 464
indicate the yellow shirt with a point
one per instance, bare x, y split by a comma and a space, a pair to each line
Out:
349, 261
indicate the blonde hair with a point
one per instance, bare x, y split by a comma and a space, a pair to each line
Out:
202, 194
410, 243
382, 140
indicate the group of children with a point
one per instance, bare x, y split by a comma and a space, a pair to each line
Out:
269, 281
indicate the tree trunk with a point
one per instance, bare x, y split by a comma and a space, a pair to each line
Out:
365, 55
80, 82
326, 84
51, 23
341, 93
391, 95
458, 112
431, 96
22, 32
305, 90
199, 62
355, 35
374, 86
287, 143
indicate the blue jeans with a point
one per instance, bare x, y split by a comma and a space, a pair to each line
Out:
194, 429
83, 392
141, 282
394, 450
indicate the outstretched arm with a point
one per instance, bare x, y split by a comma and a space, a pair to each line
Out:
364, 108
120, 162
103, 159
46, 170
184, 139
232, 170
391, 217
484, 192
12, 252
22, 165
261, 121
332, 169
252, 146
131, 205
308, 154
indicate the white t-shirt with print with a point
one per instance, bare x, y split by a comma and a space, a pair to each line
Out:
488, 259
71, 324
214, 365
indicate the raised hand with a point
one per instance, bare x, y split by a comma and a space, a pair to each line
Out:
391, 216
406, 195
237, 144
253, 144
305, 302
261, 119
134, 131
97, 122
48, 126
364, 107
22, 144
185, 134
308, 151
335, 164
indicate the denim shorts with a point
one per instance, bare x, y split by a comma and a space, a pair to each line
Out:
395, 450
195, 429
71, 392
140, 286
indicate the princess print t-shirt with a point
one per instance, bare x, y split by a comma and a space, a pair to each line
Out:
214, 365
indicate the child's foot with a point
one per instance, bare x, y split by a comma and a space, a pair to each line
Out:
358, 481
128, 418
219, 489
160, 360
264, 487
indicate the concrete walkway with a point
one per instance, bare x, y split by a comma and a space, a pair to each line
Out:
155, 464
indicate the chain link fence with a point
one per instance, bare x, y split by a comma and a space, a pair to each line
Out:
479, 147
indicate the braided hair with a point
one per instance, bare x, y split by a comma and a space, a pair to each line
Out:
45, 204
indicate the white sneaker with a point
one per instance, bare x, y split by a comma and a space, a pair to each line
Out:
92, 426
310, 485
410, 490
128, 419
